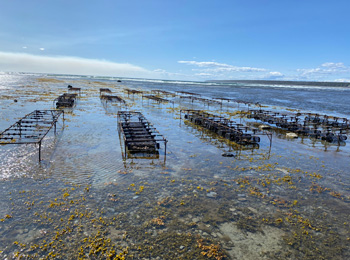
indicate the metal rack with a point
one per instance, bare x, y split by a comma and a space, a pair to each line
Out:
328, 128
32, 128
138, 135
238, 133
66, 100
157, 99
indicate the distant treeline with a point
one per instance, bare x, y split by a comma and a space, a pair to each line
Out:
277, 82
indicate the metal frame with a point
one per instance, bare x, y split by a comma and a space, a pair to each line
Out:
32, 128
237, 151
166, 93
105, 90
70, 88
66, 100
112, 98
133, 91
238, 133
157, 99
327, 128
139, 136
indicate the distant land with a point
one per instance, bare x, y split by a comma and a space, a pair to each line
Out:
279, 82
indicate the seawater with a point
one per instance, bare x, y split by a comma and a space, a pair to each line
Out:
288, 199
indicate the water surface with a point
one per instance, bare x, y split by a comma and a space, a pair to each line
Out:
289, 200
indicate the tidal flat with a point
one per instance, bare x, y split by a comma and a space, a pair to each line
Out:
285, 199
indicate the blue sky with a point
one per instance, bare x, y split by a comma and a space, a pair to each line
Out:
182, 40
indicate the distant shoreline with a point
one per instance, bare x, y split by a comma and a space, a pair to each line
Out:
276, 82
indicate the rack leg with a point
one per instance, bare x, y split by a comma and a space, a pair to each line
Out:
39, 151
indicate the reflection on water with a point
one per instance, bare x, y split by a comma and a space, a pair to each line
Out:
287, 201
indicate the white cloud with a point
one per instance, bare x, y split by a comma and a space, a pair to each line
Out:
275, 74
211, 66
160, 71
342, 80
203, 74
326, 70
42, 49
204, 63
24, 47
332, 65
22, 62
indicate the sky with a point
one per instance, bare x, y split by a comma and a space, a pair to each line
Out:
178, 40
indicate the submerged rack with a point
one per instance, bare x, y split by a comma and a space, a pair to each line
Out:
323, 127
112, 98
107, 99
139, 136
157, 99
241, 152
71, 88
159, 91
133, 91
105, 90
32, 128
204, 100
238, 133
66, 100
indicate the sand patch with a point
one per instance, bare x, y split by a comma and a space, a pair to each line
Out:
249, 245
49, 80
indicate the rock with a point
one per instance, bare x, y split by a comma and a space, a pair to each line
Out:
195, 220
253, 210
264, 127
228, 155
212, 194
282, 170
291, 135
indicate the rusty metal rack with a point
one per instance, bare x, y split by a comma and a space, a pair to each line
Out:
204, 100
70, 88
237, 101
229, 149
222, 100
166, 93
226, 128
32, 128
112, 98
187, 93
157, 99
105, 90
66, 100
107, 99
133, 91
327, 128
328, 121
139, 135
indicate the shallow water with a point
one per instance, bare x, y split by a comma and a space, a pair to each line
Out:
287, 201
